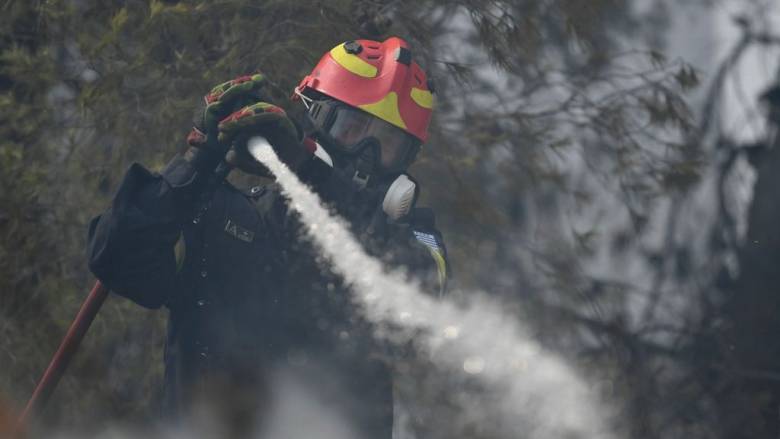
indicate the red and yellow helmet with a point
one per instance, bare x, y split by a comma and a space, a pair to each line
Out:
379, 78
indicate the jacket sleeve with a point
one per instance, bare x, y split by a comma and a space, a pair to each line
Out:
131, 245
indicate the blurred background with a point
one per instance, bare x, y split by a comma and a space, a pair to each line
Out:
607, 169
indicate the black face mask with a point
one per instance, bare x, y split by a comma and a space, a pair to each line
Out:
362, 164
365, 197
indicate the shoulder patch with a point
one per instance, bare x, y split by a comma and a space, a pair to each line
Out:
437, 253
427, 239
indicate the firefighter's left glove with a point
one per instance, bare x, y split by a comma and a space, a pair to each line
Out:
266, 120
219, 103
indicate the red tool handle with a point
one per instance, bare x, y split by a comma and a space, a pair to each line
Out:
64, 354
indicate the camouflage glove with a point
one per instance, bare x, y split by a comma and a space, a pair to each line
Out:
266, 120
219, 103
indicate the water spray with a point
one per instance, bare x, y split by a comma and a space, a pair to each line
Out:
540, 395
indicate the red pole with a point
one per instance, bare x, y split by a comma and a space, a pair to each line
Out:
64, 354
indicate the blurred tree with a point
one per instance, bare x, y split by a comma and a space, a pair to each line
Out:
737, 349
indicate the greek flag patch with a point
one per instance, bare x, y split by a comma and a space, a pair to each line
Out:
437, 253
427, 239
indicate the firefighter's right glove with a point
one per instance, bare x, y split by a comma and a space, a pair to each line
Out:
266, 120
219, 103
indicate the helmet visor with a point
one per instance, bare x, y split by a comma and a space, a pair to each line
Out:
349, 126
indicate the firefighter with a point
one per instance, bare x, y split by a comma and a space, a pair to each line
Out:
244, 290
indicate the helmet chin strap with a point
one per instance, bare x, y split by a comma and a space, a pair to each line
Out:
399, 197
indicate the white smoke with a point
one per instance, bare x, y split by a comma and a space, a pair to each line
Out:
298, 412
540, 396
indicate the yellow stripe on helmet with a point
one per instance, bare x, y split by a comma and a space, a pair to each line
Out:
353, 63
386, 109
423, 98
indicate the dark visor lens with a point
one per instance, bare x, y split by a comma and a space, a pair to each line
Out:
350, 126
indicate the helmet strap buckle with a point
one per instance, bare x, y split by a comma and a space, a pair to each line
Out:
360, 179
366, 162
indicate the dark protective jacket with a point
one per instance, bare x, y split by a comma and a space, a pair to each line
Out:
248, 295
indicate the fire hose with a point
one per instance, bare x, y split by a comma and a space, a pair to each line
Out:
68, 347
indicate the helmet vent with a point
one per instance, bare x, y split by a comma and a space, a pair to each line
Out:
353, 47
403, 55
374, 56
